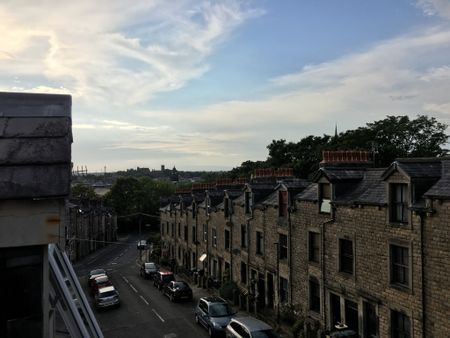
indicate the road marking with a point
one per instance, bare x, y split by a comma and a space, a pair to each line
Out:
157, 314
131, 286
126, 280
170, 335
145, 301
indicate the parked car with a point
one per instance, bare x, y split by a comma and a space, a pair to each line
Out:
249, 327
214, 313
148, 270
142, 244
95, 273
177, 291
162, 278
100, 282
106, 297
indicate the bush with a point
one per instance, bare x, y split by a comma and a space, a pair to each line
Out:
227, 290
289, 314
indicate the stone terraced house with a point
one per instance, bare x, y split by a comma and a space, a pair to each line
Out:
357, 247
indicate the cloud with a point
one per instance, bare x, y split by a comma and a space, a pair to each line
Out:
123, 54
435, 7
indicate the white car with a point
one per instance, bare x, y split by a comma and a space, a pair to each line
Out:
249, 327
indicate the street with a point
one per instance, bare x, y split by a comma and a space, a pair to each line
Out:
144, 311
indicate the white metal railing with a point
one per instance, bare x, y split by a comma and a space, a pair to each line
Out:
67, 296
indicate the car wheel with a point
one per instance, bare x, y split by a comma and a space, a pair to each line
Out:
210, 332
197, 321
171, 298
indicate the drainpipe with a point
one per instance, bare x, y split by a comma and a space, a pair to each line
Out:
322, 264
422, 221
290, 255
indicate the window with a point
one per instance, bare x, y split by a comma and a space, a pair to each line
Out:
399, 204
283, 242
186, 233
179, 252
167, 228
194, 209
370, 320
399, 262
346, 256
283, 290
314, 295
227, 240
314, 247
244, 238
179, 229
243, 273
162, 231
214, 237
325, 197
351, 315
226, 208
248, 202
205, 232
173, 229
282, 203
194, 234
400, 325
259, 243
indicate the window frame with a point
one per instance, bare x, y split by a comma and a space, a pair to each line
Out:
397, 278
283, 203
314, 295
405, 330
259, 250
345, 266
244, 236
395, 203
313, 250
325, 203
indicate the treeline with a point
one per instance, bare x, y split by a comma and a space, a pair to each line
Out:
387, 139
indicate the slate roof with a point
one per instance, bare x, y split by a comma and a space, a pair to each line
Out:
369, 190
309, 194
417, 167
340, 174
294, 187
441, 189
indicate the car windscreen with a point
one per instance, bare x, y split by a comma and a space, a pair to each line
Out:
180, 285
107, 294
150, 266
167, 278
265, 334
97, 272
220, 310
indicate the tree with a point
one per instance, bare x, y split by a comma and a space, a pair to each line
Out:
83, 191
132, 197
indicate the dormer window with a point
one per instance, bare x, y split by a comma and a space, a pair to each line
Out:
282, 203
248, 202
194, 209
398, 203
325, 197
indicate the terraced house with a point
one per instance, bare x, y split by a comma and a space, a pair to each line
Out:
358, 247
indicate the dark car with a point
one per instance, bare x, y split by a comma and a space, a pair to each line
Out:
162, 278
100, 282
177, 291
214, 313
148, 270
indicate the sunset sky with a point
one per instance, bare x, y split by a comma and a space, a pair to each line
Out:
206, 85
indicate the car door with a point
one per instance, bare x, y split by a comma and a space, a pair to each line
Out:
204, 317
168, 289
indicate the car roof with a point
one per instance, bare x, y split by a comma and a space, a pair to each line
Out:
213, 299
149, 263
97, 272
106, 289
252, 324
102, 278
166, 273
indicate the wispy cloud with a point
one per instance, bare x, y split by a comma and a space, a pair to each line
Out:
123, 54
435, 7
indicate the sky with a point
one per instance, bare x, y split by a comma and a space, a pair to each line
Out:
207, 85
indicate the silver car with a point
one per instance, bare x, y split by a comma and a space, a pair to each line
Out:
249, 327
106, 297
214, 313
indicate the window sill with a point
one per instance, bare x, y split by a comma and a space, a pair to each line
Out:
314, 263
346, 275
401, 287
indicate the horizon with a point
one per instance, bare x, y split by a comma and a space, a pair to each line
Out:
211, 84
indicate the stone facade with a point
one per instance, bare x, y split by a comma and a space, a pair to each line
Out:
361, 248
